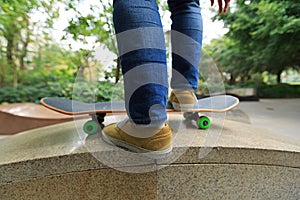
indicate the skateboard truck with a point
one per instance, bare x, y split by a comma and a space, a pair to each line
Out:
92, 126
203, 122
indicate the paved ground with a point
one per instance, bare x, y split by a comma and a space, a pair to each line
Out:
278, 115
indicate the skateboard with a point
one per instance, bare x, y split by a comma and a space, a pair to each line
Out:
98, 111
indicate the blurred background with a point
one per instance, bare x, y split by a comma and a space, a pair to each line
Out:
56, 48
44, 45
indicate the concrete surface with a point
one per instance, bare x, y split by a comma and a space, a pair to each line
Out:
276, 115
234, 161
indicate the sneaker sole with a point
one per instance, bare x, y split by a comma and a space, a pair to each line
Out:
136, 149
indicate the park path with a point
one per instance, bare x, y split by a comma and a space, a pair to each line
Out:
277, 115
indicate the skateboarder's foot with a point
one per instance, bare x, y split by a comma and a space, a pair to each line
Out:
153, 141
183, 100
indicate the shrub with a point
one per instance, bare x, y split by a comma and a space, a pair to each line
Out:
278, 91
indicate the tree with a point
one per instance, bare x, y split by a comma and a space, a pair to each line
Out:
229, 58
16, 31
97, 23
267, 32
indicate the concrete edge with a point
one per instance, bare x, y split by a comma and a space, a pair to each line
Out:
78, 162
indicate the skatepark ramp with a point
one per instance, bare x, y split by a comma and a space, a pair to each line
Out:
56, 162
18, 117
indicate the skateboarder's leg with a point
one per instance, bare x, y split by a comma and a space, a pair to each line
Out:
186, 38
142, 54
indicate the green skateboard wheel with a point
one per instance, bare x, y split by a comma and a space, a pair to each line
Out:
90, 127
203, 122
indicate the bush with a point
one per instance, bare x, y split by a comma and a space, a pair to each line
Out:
23, 93
59, 82
99, 91
278, 91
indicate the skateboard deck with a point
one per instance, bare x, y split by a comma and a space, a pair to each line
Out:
220, 103
97, 111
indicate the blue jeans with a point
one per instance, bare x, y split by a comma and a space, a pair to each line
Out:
142, 53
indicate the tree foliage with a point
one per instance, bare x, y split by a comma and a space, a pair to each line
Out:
16, 33
34, 66
263, 35
95, 23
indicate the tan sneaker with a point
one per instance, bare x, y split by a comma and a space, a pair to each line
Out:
183, 99
158, 144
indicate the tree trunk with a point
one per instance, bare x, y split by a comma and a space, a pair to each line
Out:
10, 59
9, 52
2, 76
24, 50
15, 77
39, 59
278, 77
232, 80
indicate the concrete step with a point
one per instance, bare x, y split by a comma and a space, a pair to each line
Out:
234, 161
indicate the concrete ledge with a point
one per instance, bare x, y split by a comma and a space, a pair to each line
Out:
228, 181
92, 184
244, 162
